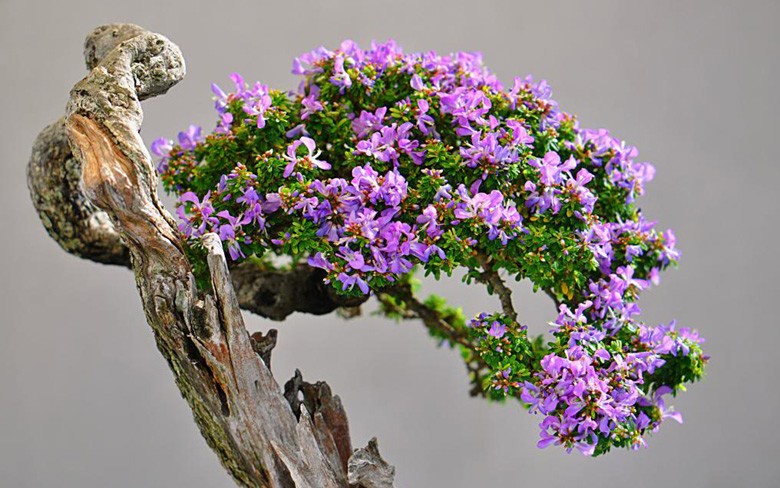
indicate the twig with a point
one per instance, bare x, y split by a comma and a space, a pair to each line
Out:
414, 309
496, 285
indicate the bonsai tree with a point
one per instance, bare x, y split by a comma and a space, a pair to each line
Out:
380, 166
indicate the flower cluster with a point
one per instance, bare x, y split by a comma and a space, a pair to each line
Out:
593, 401
383, 162
603, 381
504, 346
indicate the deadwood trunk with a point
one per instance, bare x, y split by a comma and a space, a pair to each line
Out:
94, 186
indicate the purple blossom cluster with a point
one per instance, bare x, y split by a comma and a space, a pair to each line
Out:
556, 182
360, 217
631, 239
383, 161
585, 397
665, 339
255, 102
617, 158
456, 87
595, 389
198, 216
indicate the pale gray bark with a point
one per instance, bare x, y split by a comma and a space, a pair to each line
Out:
100, 202
367, 467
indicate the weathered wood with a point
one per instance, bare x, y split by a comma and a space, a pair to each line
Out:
80, 228
276, 294
261, 437
84, 230
367, 468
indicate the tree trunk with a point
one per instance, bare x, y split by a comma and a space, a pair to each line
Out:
94, 186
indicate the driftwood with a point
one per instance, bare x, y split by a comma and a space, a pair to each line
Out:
94, 186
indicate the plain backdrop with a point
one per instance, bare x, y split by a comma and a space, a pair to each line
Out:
87, 401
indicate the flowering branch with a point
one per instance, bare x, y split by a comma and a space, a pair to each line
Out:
381, 163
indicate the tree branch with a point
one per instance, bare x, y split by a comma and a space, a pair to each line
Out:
261, 438
80, 228
275, 294
415, 309
400, 299
367, 468
496, 285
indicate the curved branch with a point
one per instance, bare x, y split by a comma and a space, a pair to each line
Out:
400, 301
219, 369
78, 226
412, 308
496, 285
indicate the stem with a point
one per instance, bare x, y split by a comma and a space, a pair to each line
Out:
412, 309
496, 285
415, 309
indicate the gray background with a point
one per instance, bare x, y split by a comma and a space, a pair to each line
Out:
86, 401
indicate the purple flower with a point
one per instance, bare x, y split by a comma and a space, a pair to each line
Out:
520, 134
310, 103
665, 413
665, 339
425, 122
486, 151
354, 259
340, 77
668, 251
393, 189
201, 211
578, 191
626, 273
307, 161
220, 98
189, 139
428, 221
161, 147
228, 232
551, 169
417, 83
349, 281
388, 143
256, 103
497, 330
423, 251
310, 62
225, 123
368, 122
319, 261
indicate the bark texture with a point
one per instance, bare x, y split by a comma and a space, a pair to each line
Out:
82, 229
78, 226
98, 200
